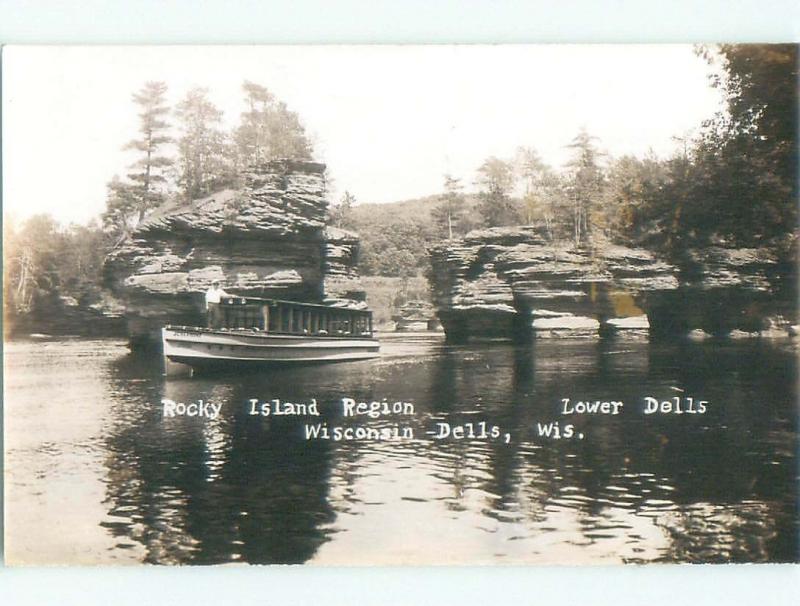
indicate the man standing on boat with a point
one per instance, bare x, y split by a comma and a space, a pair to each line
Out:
213, 310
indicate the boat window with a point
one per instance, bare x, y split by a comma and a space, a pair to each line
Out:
285, 317
238, 316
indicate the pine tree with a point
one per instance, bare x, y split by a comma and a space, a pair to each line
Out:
268, 130
148, 178
203, 163
585, 184
532, 172
496, 179
447, 215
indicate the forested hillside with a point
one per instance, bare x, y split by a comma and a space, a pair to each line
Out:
395, 236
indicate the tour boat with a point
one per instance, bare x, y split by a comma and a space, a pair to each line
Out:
249, 330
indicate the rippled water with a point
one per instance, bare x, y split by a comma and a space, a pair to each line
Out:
96, 474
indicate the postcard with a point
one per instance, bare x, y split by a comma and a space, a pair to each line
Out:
400, 305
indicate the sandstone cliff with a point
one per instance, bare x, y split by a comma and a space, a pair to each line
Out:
730, 292
268, 239
512, 282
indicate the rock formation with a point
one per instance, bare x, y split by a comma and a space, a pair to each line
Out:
730, 292
340, 275
511, 282
268, 239
416, 315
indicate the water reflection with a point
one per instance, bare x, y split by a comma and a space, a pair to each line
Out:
691, 488
206, 491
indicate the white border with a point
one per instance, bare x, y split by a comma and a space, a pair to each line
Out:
408, 21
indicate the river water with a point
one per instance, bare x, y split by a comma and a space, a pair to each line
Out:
95, 472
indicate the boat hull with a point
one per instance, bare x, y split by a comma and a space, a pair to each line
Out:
208, 349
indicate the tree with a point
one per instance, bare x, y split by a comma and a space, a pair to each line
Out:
31, 254
449, 212
584, 184
122, 208
542, 191
202, 159
148, 177
44, 263
550, 203
630, 185
736, 181
79, 267
496, 180
268, 130
756, 143
340, 215
529, 168
395, 248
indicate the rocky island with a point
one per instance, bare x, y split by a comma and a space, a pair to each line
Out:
269, 239
513, 283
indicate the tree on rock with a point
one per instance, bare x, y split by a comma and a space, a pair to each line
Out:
584, 185
632, 183
447, 215
542, 190
529, 168
268, 130
149, 170
203, 161
496, 180
122, 208
128, 202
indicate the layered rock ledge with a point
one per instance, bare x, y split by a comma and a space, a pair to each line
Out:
512, 283
729, 292
268, 239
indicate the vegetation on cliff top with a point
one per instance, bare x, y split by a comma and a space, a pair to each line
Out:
203, 157
733, 183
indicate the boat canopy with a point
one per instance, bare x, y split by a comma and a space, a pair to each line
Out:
293, 318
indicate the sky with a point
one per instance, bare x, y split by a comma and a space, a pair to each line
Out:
389, 121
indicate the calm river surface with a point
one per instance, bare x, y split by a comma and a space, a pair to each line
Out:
94, 473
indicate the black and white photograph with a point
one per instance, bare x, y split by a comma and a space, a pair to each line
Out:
354, 305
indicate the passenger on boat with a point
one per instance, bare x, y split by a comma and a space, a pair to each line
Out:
213, 309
